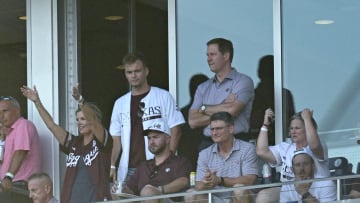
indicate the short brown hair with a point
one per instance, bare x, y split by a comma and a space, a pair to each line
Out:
131, 58
225, 46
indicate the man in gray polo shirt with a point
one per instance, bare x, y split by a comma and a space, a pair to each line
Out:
229, 162
228, 91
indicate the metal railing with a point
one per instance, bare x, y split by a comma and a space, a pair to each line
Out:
337, 179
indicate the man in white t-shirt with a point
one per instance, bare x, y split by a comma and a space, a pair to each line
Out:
142, 104
303, 166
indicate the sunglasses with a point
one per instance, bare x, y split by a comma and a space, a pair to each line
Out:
141, 109
7, 98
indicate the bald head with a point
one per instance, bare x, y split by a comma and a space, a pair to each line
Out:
40, 187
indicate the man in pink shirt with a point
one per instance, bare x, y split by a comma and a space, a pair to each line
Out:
22, 152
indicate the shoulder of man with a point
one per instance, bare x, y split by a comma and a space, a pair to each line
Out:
124, 96
22, 122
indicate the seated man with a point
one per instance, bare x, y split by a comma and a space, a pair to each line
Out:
229, 162
41, 188
166, 173
22, 155
304, 168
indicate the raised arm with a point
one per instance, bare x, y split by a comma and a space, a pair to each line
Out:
262, 146
90, 114
32, 94
312, 136
77, 95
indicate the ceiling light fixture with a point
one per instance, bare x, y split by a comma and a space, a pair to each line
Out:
113, 18
22, 17
324, 22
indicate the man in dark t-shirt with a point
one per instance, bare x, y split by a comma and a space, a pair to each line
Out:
166, 173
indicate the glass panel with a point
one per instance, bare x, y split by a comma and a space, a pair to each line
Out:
13, 50
103, 43
142, 27
152, 39
321, 66
248, 24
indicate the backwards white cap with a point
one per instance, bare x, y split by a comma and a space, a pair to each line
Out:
302, 151
157, 125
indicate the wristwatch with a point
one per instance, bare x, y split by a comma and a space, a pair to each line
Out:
222, 182
202, 108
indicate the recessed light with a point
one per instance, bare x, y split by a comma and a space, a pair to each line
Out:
120, 67
22, 17
113, 18
324, 22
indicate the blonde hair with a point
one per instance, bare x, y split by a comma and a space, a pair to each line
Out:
95, 111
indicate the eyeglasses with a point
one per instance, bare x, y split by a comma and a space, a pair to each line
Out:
154, 172
141, 109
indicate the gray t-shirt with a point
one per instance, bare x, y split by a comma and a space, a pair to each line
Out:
83, 191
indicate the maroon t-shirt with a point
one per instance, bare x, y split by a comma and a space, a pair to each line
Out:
96, 157
137, 142
148, 173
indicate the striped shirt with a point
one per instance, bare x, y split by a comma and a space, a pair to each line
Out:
241, 161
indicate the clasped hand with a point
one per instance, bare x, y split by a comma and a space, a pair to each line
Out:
210, 179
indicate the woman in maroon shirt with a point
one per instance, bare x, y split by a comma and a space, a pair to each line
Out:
88, 155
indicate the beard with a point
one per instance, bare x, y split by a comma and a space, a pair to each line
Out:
157, 149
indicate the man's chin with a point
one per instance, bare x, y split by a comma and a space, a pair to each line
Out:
154, 151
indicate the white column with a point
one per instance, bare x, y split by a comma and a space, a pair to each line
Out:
42, 71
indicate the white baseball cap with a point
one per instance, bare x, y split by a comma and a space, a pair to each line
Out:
302, 151
157, 125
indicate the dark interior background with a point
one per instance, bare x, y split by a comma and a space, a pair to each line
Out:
102, 44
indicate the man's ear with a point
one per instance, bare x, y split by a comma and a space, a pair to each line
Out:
168, 139
146, 71
232, 129
47, 188
227, 55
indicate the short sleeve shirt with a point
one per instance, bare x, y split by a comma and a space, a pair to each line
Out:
241, 161
22, 136
284, 152
147, 173
211, 92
